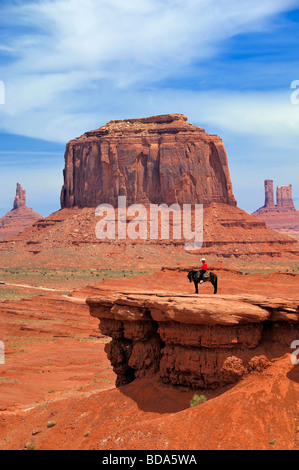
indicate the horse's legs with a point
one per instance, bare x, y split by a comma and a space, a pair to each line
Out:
196, 287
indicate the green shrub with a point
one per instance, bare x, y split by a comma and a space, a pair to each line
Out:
198, 400
51, 424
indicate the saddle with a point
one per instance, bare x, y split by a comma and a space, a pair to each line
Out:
206, 275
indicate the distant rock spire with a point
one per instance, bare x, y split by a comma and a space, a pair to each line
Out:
285, 198
281, 216
269, 194
20, 217
20, 199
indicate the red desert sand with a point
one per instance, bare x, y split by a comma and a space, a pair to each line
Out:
56, 370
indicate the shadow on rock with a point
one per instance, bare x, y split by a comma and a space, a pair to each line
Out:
294, 374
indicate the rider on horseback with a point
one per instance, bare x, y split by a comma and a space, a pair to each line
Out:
203, 270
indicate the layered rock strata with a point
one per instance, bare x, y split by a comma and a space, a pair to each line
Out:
227, 232
160, 159
194, 341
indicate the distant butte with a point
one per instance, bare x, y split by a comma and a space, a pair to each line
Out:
281, 216
19, 217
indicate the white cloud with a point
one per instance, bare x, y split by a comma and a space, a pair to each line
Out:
95, 33
156, 35
84, 62
268, 115
81, 53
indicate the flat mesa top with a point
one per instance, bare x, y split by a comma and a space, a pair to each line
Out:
165, 121
146, 126
161, 119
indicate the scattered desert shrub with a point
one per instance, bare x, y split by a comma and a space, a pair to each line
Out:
198, 400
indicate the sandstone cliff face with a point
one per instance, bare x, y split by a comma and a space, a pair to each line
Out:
194, 341
19, 217
160, 159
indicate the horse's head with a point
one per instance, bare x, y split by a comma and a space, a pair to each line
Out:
189, 276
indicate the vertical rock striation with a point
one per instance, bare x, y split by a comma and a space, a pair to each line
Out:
160, 159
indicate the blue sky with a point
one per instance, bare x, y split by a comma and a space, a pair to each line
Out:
70, 66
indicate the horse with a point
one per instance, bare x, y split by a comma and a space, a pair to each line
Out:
208, 277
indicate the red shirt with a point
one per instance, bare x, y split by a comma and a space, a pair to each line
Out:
204, 266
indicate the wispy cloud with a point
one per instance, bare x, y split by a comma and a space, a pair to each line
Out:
78, 62
71, 65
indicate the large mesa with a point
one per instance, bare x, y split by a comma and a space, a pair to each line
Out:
160, 159
155, 160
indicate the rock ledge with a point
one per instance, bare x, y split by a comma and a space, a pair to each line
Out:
194, 341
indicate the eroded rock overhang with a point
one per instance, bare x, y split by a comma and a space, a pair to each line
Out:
195, 341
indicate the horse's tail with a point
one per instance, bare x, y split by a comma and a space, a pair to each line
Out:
215, 284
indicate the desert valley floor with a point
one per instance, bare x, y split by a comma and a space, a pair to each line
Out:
57, 387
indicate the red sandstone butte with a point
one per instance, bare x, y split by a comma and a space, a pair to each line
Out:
283, 216
154, 159
20, 199
19, 217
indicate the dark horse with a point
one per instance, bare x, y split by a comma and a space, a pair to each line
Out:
211, 277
